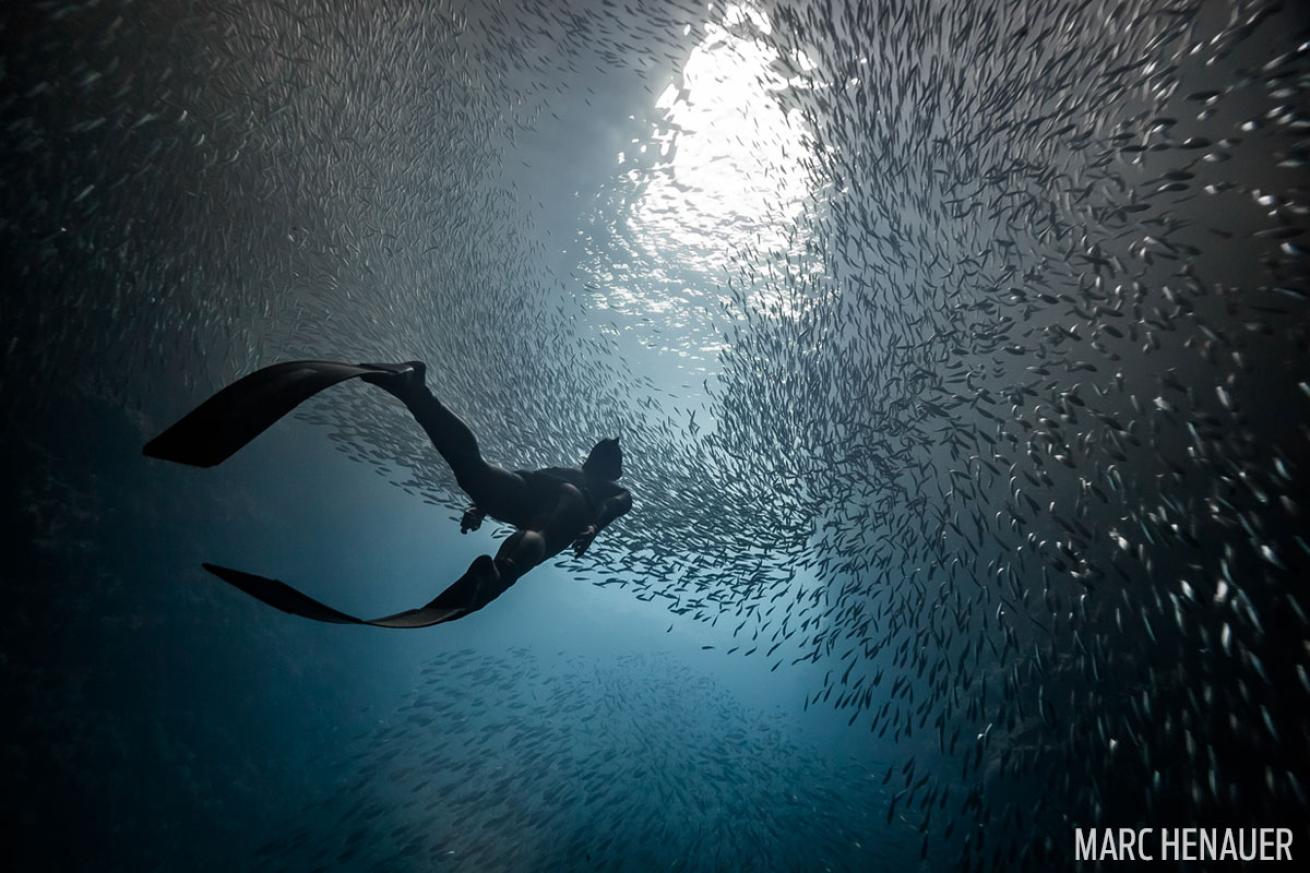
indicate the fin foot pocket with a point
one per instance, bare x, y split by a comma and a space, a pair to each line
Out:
399, 380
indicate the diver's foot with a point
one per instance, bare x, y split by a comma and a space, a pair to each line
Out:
465, 592
400, 380
496, 579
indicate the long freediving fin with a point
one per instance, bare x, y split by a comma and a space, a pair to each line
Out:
219, 427
282, 596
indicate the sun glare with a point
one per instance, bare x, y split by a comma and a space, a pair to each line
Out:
730, 156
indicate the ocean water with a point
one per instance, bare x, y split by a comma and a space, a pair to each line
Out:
958, 354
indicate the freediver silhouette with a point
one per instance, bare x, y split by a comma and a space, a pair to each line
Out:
553, 508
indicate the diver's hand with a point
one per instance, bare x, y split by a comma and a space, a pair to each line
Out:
472, 519
583, 540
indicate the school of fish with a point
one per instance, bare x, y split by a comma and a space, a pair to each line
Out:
532, 777
1000, 416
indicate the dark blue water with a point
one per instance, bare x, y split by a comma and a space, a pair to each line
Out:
178, 724
958, 352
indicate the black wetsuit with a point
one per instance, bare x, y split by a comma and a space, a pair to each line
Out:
542, 500
553, 508
543, 488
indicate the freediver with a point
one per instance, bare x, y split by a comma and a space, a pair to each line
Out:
552, 509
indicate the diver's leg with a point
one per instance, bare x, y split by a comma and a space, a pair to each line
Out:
498, 492
448, 432
488, 578
521, 551
528, 547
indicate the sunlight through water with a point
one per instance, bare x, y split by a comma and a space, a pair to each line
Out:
722, 170
730, 169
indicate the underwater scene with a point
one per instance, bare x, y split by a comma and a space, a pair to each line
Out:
537, 435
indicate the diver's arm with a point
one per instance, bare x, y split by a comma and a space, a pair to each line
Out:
612, 508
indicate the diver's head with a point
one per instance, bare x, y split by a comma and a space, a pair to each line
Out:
605, 460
